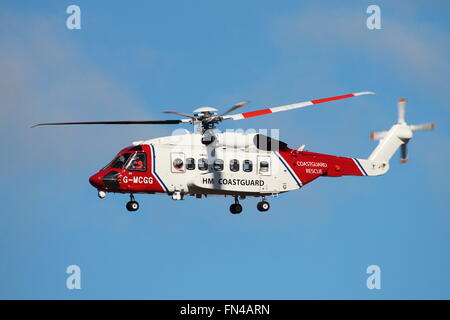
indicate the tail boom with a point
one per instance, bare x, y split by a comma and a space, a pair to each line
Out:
308, 166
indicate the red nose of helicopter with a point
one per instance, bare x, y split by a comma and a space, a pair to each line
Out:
96, 181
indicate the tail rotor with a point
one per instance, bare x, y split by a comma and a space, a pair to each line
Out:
422, 127
398, 136
401, 107
404, 153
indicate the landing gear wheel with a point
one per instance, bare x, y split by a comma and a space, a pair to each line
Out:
235, 208
263, 206
132, 205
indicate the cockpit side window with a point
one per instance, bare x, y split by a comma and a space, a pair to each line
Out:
138, 162
120, 160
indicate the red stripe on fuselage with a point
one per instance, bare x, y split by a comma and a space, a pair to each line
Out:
308, 166
256, 113
333, 98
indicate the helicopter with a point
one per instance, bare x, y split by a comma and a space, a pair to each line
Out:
209, 162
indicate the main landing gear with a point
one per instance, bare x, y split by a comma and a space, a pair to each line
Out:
236, 207
263, 205
132, 205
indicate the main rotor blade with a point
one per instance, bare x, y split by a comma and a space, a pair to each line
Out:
261, 112
236, 106
180, 114
110, 122
219, 118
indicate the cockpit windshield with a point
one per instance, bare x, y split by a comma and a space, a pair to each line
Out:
120, 161
137, 162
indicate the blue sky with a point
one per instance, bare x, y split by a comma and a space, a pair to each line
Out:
133, 61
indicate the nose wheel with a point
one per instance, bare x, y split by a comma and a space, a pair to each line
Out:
132, 205
263, 205
236, 207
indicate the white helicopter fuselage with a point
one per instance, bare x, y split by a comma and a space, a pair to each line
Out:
231, 165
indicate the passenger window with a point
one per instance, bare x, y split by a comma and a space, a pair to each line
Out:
137, 162
263, 167
190, 163
178, 164
218, 165
234, 165
247, 166
202, 164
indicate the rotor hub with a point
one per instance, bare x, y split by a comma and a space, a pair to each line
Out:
205, 112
